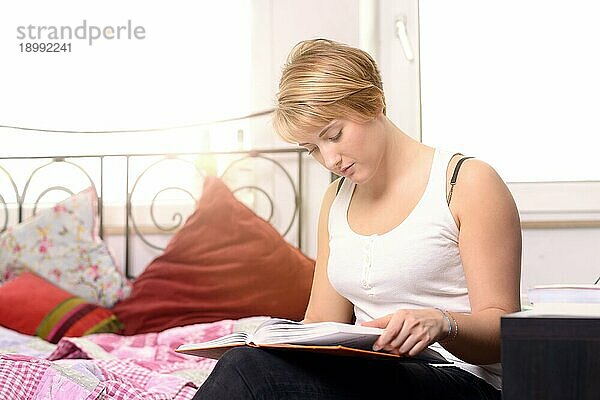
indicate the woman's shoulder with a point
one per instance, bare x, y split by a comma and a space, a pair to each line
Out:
476, 172
469, 168
486, 214
331, 193
478, 187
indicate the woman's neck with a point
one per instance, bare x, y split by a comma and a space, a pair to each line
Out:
401, 155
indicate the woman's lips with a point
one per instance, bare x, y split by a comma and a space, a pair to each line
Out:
347, 170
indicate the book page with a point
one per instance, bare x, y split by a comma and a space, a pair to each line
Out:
231, 339
278, 321
357, 341
318, 333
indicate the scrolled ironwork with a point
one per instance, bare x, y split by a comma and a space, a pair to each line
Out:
35, 181
175, 216
257, 155
35, 171
132, 191
50, 189
4, 204
252, 187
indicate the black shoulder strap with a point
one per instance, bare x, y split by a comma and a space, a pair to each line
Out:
455, 176
340, 185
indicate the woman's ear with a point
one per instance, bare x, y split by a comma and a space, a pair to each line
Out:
380, 115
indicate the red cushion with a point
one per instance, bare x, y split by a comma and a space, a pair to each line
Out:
224, 263
30, 304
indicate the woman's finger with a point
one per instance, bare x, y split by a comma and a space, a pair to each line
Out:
390, 332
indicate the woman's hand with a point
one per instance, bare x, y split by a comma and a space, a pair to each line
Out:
408, 332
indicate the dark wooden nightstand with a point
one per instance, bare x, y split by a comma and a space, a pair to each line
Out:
550, 357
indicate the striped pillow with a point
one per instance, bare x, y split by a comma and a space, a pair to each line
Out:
29, 304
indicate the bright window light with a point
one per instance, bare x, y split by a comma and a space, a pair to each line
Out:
514, 83
189, 63
192, 65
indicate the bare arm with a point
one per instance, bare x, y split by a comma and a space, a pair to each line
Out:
490, 248
325, 303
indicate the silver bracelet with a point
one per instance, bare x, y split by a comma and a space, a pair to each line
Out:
449, 325
455, 333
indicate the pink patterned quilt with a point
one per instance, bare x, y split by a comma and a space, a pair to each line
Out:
108, 366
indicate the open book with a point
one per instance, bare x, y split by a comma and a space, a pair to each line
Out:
324, 337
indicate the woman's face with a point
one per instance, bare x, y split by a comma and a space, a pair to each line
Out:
348, 148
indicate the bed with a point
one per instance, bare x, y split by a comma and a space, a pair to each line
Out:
109, 262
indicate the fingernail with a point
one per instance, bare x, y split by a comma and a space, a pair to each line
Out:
376, 348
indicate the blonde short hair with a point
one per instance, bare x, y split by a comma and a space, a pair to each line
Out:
323, 80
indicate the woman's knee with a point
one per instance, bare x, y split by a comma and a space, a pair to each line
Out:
244, 357
239, 373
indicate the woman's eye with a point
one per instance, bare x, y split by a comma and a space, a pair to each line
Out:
336, 137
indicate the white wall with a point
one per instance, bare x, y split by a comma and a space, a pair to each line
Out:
560, 256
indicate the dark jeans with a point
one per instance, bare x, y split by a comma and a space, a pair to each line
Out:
250, 373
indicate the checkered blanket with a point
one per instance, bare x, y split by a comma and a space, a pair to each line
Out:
108, 366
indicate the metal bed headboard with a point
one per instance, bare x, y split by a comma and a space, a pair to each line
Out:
286, 163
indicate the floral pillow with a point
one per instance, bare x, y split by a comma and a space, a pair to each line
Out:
61, 244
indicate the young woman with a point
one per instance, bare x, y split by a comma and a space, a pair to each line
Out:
405, 243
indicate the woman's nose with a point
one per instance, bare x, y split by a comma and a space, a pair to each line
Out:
331, 159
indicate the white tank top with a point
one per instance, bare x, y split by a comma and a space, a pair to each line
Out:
415, 265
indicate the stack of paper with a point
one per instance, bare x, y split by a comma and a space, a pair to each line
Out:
565, 299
